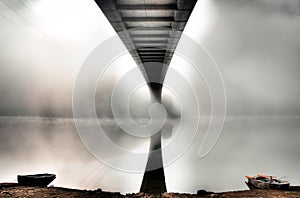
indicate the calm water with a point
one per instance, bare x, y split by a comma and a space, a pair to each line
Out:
248, 145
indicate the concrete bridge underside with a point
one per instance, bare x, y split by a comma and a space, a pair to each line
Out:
150, 29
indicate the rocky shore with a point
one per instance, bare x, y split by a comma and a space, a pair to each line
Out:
26, 191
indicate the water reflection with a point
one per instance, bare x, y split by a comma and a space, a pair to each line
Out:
248, 145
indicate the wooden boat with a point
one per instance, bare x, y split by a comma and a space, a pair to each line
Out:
36, 180
266, 182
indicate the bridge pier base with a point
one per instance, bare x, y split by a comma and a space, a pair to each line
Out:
154, 180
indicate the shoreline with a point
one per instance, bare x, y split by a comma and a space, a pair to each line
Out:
14, 190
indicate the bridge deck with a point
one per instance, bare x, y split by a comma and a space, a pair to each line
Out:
150, 29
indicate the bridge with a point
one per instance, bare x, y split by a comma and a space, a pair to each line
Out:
150, 30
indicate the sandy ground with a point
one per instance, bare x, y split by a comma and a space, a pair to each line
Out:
25, 191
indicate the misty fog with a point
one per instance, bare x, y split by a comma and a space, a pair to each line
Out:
255, 43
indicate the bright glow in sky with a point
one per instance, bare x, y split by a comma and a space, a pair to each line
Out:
199, 27
53, 16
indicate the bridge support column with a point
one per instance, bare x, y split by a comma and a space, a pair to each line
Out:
154, 180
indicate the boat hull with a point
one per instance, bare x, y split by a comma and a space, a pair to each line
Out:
36, 180
257, 185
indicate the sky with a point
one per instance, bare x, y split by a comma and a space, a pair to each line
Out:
43, 45
255, 44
